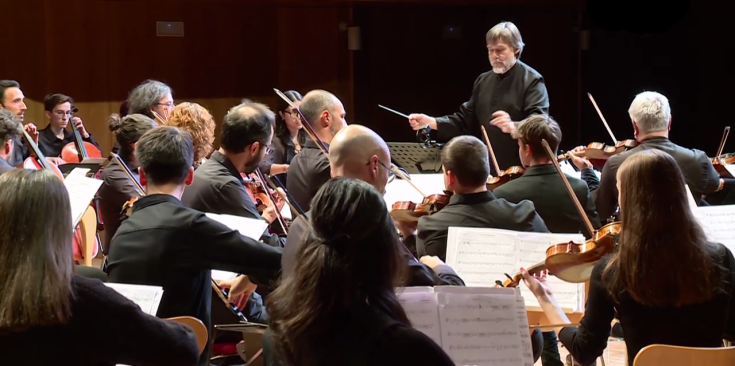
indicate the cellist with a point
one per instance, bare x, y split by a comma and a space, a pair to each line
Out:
666, 282
59, 110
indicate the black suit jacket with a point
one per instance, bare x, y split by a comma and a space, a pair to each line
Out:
163, 243
700, 175
479, 210
419, 274
520, 92
542, 185
218, 188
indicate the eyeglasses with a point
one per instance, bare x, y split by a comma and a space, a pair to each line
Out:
63, 113
169, 104
391, 174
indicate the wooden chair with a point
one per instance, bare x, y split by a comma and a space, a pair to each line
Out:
200, 331
660, 354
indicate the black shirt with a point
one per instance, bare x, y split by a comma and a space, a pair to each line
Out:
481, 209
700, 175
163, 243
542, 185
218, 188
283, 153
105, 329
308, 171
520, 92
697, 325
5, 167
51, 145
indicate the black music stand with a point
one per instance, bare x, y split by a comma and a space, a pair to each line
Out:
416, 158
68, 167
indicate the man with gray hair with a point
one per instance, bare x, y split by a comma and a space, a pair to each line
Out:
10, 132
309, 169
511, 91
651, 116
153, 99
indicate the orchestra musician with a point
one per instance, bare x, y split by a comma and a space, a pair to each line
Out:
247, 131
541, 184
13, 100
10, 131
117, 188
199, 123
289, 137
338, 305
651, 117
164, 243
466, 168
511, 91
359, 153
45, 304
151, 98
310, 168
666, 282
52, 139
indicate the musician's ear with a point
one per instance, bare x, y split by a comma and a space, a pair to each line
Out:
189, 176
670, 119
48, 114
8, 146
141, 177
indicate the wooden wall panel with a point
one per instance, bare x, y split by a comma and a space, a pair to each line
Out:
97, 51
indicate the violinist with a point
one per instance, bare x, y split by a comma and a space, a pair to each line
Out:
359, 153
510, 92
153, 99
199, 123
540, 183
218, 188
466, 166
164, 243
13, 100
668, 284
651, 118
59, 110
78, 320
117, 188
289, 137
10, 131
310, 168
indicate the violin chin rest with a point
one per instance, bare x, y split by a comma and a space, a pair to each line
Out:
568, 268
405, 215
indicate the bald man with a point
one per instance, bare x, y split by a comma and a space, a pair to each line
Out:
310, 168
359, 153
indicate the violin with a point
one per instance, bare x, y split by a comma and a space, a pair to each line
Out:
38, 161
410, 212
720, 159
504, 176
127, 208
77, 151
572, 262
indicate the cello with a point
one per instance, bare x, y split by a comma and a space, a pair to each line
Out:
572, 262
77, 151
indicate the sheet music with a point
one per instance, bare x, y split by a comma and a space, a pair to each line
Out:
82, 190
147, 297
422, 309
482, 329
218, 275
730, 168
251, 228
482, 256
718, 223
690, 199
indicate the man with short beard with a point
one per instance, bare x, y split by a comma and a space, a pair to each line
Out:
510, 92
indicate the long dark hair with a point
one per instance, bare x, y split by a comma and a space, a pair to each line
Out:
350, 258
35, 255
128, 130
664, 258
282, 131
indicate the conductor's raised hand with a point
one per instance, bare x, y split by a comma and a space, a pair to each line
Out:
419, 121
501, 120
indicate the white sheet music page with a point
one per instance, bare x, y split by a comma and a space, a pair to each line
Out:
147, 297
482, 328
251, 228
218, 275
718, 223
82, 190
531, 250
422, 309
482, 256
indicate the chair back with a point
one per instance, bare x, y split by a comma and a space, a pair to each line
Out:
200, 331
660, 354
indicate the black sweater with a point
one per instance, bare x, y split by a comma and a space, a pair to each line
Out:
699, 325
105, 329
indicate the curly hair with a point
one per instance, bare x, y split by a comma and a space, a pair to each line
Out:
199, 123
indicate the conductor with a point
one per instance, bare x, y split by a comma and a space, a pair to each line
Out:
510, 92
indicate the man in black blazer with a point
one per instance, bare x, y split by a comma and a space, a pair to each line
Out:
164, 243
543, 186
466, 168
651, 116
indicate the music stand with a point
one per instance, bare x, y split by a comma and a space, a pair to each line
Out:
68, 167
416, 158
